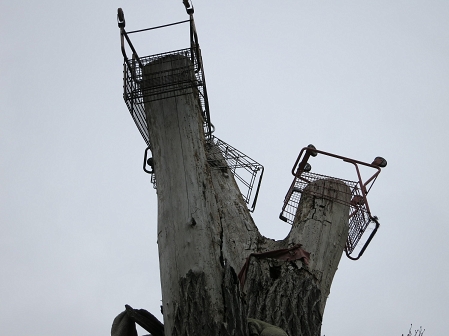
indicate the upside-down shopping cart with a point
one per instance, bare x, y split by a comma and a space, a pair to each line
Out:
360, 217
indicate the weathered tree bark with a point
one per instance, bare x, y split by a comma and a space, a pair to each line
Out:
292, 295
205, 234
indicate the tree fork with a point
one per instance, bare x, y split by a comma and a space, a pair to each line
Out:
205, 234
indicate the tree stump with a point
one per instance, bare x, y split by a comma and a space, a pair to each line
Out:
205, 233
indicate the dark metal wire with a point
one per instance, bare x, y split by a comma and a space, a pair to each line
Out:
224, 157
163, 85
157, 27
182, 80
246, 171
184, 77
360, 218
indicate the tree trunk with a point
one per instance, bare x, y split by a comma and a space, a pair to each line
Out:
292, 295
205, 234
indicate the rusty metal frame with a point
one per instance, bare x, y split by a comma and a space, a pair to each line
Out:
360, 216
298, 168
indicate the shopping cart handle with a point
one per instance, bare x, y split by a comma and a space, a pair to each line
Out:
374, 219
120, 18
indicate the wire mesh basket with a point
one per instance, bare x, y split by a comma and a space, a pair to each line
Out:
222, 156
184, 78
247, 172
141, 85
355, 196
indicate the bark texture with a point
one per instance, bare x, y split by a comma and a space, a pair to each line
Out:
193, 316
292, 295
205, 234
285, 295
190, 230
321, 226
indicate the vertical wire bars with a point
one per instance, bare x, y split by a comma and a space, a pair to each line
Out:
184, 79
247, 172
162, 85
222, 156
360, 217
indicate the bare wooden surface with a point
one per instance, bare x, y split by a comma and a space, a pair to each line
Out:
321, 226
205, 232
189, 237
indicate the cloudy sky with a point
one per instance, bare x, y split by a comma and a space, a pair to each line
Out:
357, 78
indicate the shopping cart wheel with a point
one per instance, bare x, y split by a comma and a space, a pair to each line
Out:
312, 153
380, 162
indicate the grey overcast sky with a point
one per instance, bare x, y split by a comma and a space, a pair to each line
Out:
357, 78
